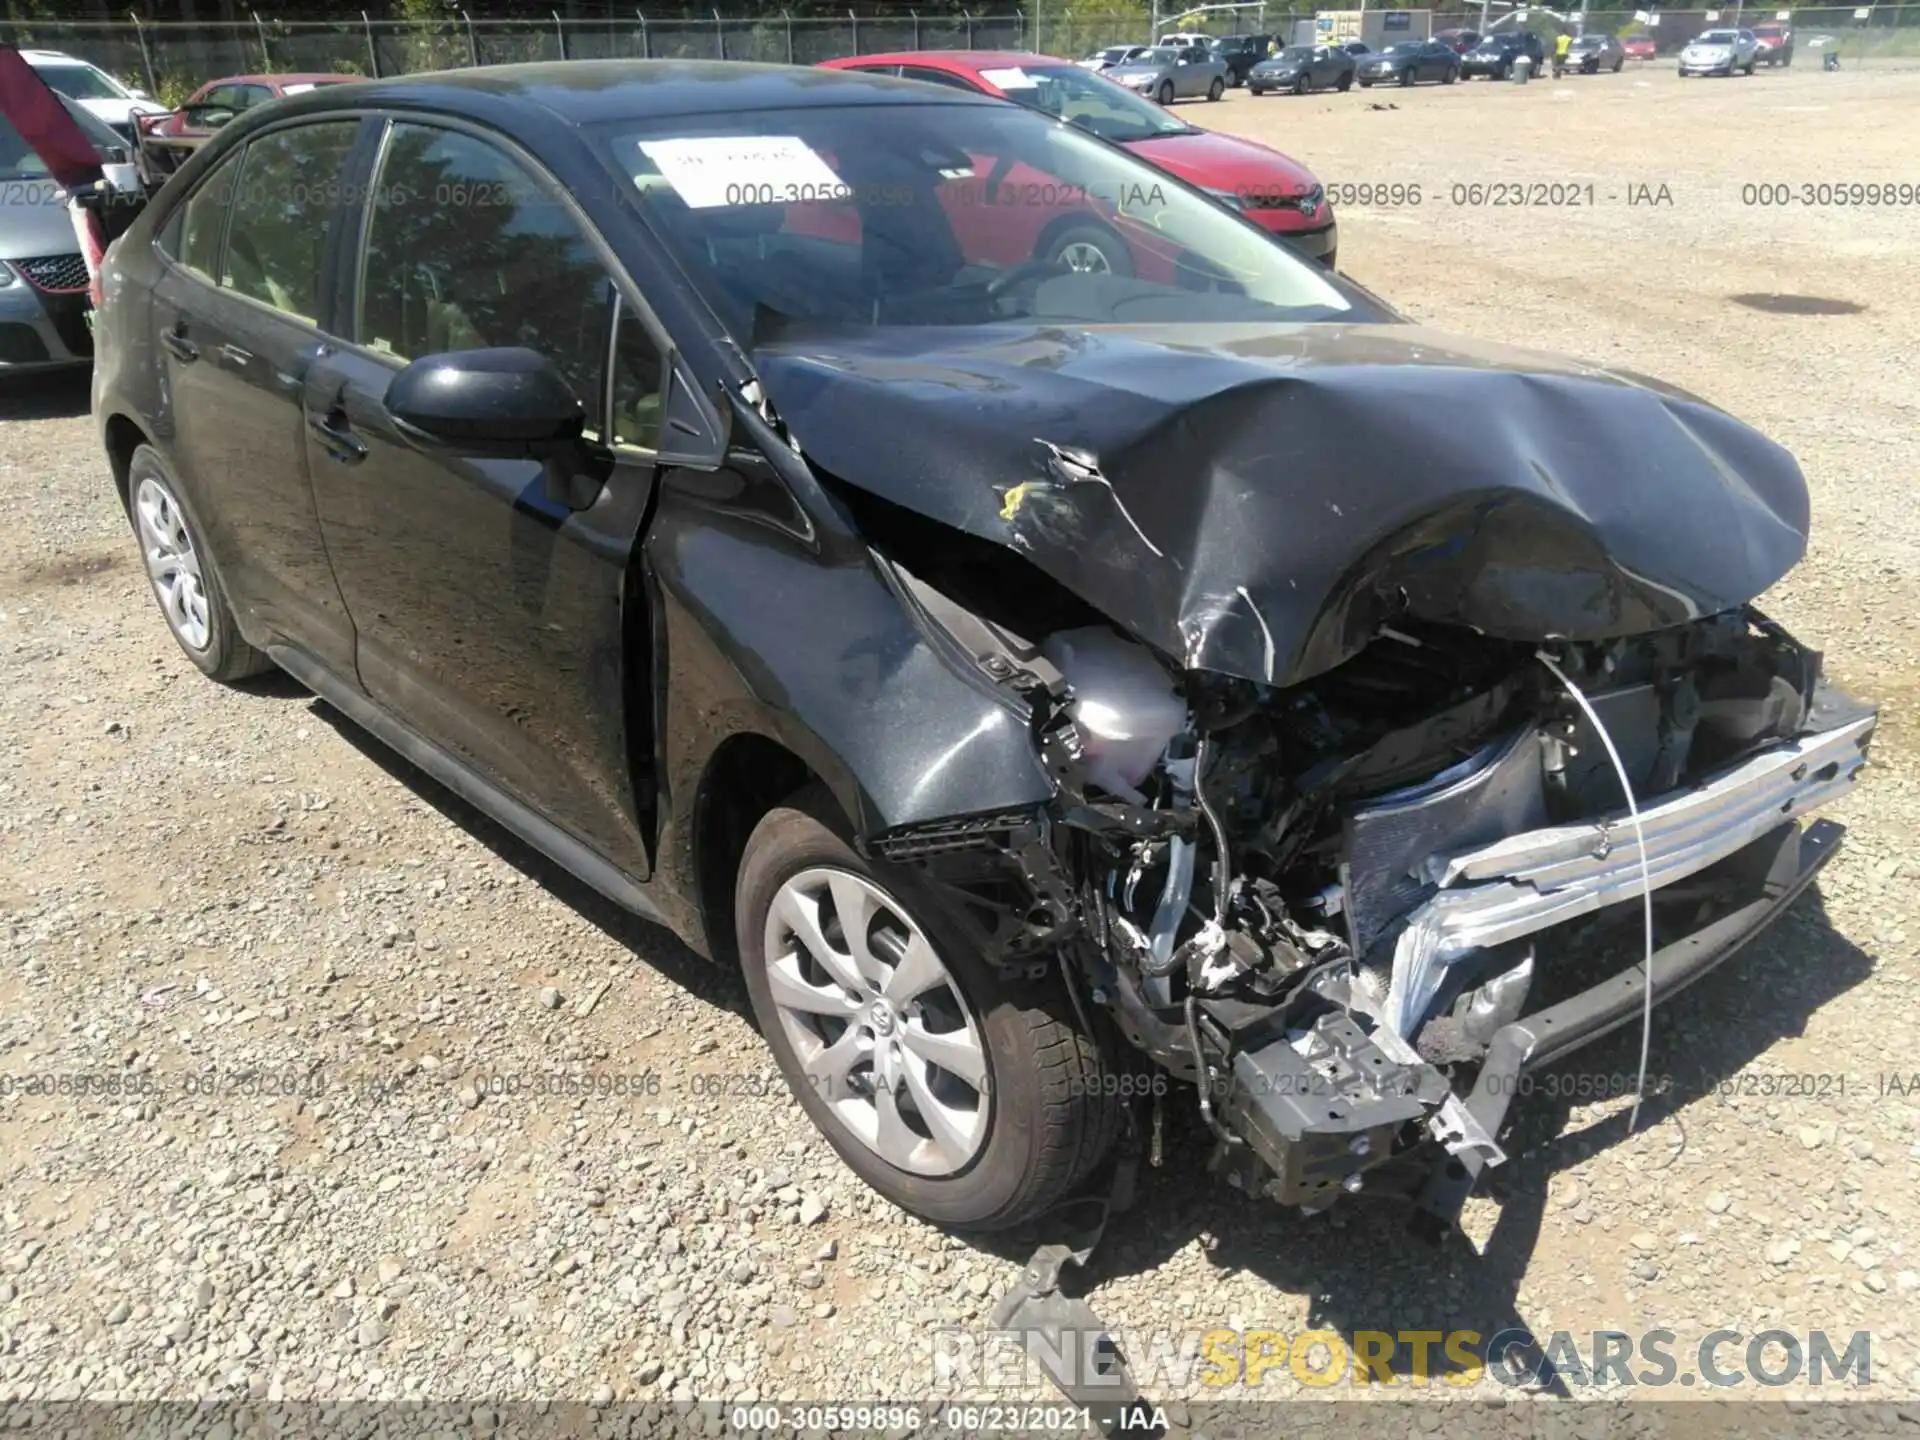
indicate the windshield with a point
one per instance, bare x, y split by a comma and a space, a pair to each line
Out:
1159, 55
82, 82
1296, 52
1113, 53
1715, 37
1405, 47
947, 215
1092, 103
20, 161
1589, 42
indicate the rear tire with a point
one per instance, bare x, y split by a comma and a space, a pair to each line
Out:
1046, 1102
181, 569
1217, 89
1345, 83
1165, 95
1300, 85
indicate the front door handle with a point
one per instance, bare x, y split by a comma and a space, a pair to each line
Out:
234, 355
337, 437
176, 340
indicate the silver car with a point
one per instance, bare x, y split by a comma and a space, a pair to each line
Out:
1113, 55
1168, 72
1720, 52
43, 278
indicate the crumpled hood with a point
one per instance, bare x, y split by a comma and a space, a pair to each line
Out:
1257, 500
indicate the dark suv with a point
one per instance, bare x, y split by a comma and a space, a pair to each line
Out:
1493, 57
1240, 53
689, 467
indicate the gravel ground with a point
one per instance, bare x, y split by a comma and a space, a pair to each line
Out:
338, 995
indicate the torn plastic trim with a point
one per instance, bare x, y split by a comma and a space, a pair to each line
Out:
1530, 882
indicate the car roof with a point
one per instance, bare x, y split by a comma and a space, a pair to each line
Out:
65, 59
278, 77
587, 92
956, 59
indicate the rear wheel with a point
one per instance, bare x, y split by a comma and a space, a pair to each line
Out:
1300, 86
968, 1098
181, 570
1217, 89
1406, 76
1165, 97
1366, 84
1451, 76
1346, 83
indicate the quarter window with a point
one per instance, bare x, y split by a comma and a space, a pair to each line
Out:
637, 376
288, 190
466, 250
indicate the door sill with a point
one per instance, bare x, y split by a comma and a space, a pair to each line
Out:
573, 855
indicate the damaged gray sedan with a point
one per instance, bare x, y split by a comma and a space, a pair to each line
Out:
1081, 697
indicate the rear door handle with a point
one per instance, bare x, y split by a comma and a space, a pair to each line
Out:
234, 355
177, 341
337, 437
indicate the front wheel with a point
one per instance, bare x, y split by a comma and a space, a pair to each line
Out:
1088, 248
181, 570
1617, 64
1406, 76
1300, 86
1449, 77
1366, 84
969, 1098
1217, 89
1165, 97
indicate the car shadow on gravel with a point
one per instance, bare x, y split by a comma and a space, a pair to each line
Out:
654, 944
1359, 1269
52, 395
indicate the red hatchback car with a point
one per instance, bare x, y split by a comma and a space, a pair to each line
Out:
168, 139
1639, 47
1276, 193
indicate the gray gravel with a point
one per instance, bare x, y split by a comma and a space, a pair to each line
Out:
329, 993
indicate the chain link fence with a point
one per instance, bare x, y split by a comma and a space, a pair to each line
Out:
170, 60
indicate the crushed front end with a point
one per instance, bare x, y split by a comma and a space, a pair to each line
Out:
1352, 910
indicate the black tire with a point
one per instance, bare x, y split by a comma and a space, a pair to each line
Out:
1165, 93
1406, 76
1345, 83
1300, 85
1505, 72
1217, 89
1054, 1115
1366, 84
1451, 76
226, 657
1617, 64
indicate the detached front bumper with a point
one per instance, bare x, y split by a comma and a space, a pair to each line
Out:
1318, 1117
1320, 1109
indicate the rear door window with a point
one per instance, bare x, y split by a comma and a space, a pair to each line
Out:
288, 190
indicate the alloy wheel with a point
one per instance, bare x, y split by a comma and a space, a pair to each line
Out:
1085, 257
172, 563
876, 1021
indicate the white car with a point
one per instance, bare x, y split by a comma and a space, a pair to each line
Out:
103, 97
1183, 40
1720, 52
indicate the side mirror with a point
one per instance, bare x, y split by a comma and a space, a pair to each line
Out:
507, 402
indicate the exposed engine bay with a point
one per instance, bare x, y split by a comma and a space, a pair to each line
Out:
1322, 903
